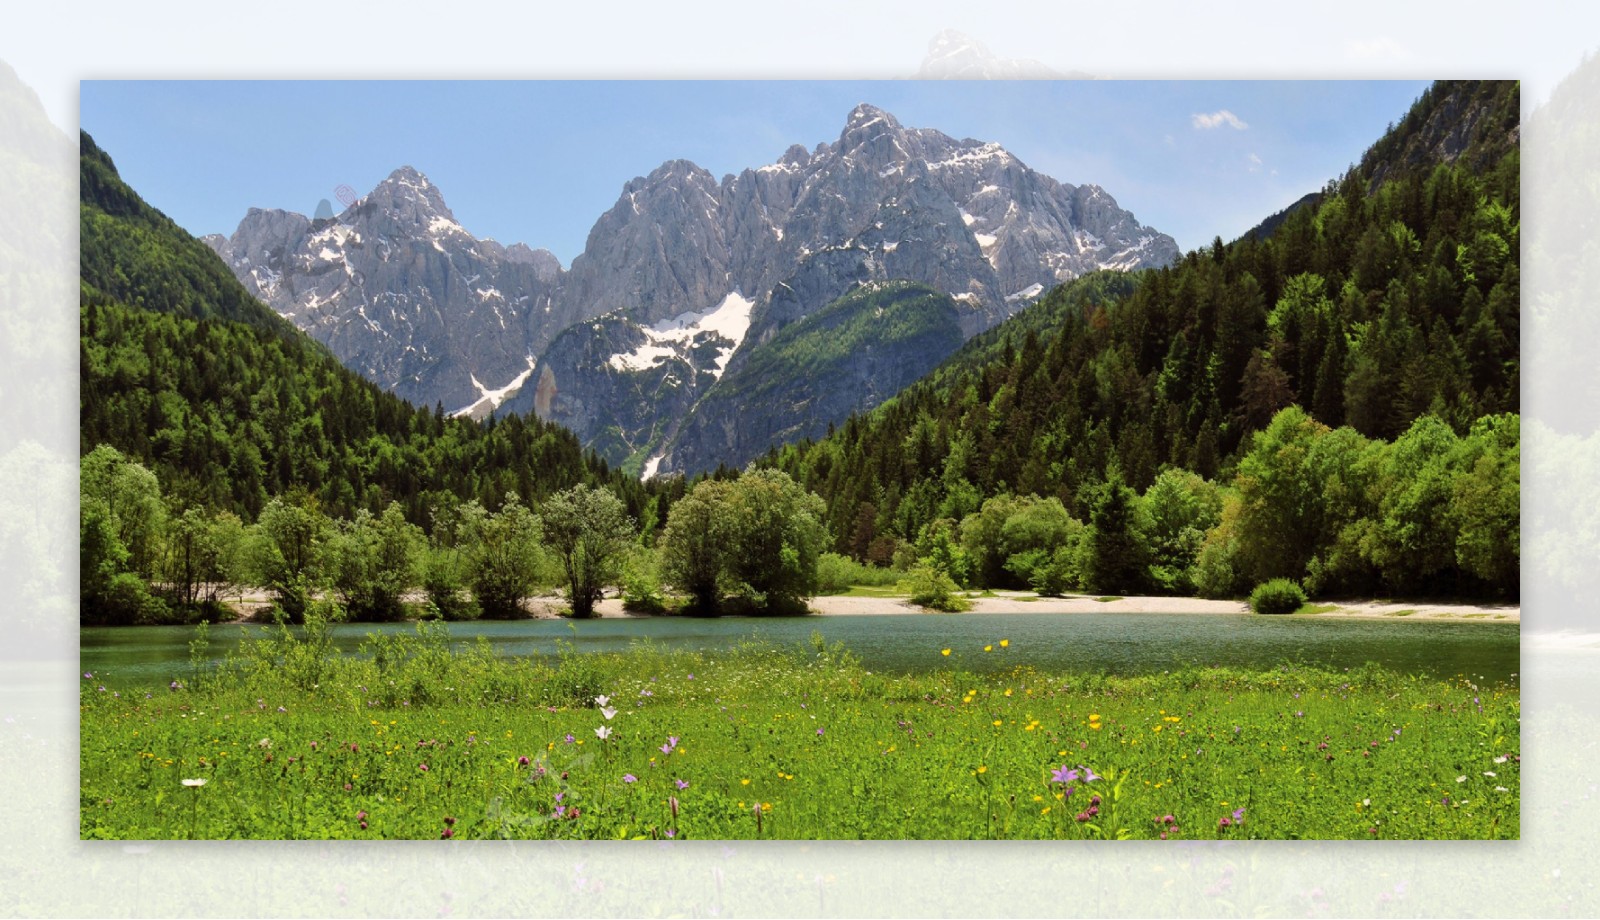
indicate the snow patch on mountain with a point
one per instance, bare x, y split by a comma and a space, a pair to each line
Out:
728, 320
489, 400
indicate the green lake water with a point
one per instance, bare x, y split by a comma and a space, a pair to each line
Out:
1119, 643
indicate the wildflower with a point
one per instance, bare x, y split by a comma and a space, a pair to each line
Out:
671, 833
744, 782
945, 652
602, 733
1004, 643
1461, 779
1488, 773
672, 804
423, 767
196, 783
682, 783
603, 700
522, 761
1064, 775
570, 740
982, 768
608, 712
449, 821
1223, 822
819, 733
89, 675
988, 648
629, 778
1238, 816
1089, 775
446, 834
361, 815
1500, 759
1083, 816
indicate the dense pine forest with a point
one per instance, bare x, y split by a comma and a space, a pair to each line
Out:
1330, 399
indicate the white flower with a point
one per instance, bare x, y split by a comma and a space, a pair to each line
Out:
264, 742
602, 733
602, 700
1500, 759
1461, 779
1488, 773
1501, 789
194, 782
608, 713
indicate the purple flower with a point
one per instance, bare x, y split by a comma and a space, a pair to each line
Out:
569, 739
682, 783
1223, 822
1089, 775
1238, 816
819, 731
666, 749
629, 778
1064, 775
691, 677
522, 761
1083, 816
671, 833
89, 675
672, 740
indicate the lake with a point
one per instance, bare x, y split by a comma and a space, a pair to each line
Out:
1122, 643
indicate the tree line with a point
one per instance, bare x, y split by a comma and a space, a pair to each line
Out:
750, 545
1390, 298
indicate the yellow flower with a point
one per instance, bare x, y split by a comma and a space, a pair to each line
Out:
988, 648
945, 652
744, 782
766, 806
1038, 798
1095, 725
998, 722
1008, 691
1094, 717
1004, 643
982, 769
1045, 810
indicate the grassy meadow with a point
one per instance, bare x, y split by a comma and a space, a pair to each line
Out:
290, 740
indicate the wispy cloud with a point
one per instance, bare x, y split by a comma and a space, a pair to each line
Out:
1255, 162
1205, 122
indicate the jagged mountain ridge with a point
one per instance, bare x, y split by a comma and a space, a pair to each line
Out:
403, 294
681, 279
783, 241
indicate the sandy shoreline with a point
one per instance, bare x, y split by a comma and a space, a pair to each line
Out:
548, 607
1024, 602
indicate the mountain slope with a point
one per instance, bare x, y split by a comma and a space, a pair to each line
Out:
883, 202
1368, 309
403, 294
228, 404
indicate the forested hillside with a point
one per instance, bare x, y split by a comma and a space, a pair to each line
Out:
211, 428
229, 405
1389, 307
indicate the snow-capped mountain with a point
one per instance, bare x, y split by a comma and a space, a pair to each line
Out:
681, 281
690, 275
404, 294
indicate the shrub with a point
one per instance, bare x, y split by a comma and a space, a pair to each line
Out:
1280, 595
933, 589
837, 574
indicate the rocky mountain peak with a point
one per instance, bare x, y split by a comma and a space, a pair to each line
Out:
408, 196
865, 124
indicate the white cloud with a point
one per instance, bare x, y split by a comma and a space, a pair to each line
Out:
1217, 119
1255, 163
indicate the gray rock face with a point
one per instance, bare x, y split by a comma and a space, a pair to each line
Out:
881, 202
681, 283
404, 294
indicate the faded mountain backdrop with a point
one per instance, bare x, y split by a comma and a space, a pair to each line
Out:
647, 344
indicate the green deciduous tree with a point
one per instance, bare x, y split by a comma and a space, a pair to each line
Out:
589, 531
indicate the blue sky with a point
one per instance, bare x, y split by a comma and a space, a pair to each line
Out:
538, 162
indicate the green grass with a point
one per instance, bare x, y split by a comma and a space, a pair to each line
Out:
1108, 599
786, 743
1309, 610
1402, 613
874, 591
